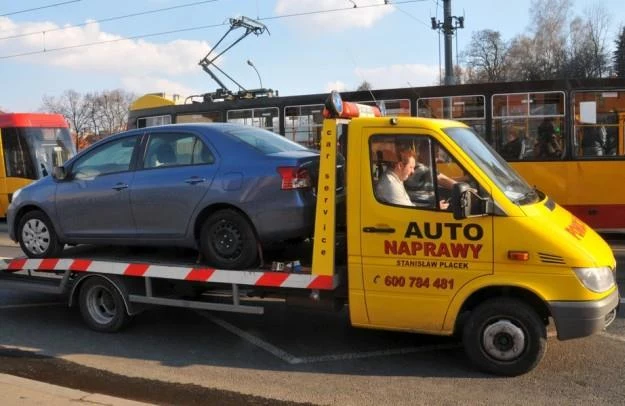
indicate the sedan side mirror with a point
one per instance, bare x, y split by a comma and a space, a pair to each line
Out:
59, 172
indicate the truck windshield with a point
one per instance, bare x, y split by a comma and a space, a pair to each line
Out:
497, 169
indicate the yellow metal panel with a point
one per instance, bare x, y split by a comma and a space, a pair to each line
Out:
150, 101
324, 249
357, 307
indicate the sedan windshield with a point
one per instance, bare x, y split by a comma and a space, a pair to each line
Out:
497, 169
263, 140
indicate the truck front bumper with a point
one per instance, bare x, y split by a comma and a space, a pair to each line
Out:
581, 319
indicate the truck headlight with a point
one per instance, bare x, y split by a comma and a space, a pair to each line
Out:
597, 279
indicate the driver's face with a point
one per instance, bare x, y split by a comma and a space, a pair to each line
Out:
406, 169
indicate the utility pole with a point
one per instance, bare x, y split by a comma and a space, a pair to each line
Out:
448, 26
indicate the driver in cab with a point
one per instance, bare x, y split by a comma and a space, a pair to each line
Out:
390, 187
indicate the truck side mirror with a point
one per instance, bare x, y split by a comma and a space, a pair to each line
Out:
461, 200
59, 172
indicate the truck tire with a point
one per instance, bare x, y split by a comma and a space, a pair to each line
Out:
102, 306
228, 241
504, 336
37, 237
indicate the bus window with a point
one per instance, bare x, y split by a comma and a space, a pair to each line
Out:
302, 124
205, 117
143, 122
529, 126
468, 109
599, 118
267, 118
32, 145
18, 161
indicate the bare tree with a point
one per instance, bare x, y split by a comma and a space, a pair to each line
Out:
73, 106
588, 54
486, 57
619, 54
93, 115
542, 53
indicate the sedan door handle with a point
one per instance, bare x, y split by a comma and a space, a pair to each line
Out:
194, 180
384, 230
120, 186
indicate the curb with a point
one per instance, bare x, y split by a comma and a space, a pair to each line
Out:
16, 390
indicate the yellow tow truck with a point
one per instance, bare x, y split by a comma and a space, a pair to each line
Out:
472, 250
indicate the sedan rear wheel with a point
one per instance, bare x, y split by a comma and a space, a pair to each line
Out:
228, 241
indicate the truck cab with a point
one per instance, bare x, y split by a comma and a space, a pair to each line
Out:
475, 251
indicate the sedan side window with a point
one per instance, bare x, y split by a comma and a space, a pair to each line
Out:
111, 157
175, 150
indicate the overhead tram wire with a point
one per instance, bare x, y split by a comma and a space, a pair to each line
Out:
155, 34
106, 20
39, 8
112, 41
305, 13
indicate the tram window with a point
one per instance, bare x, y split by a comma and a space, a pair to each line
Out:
206, 117
398, 107
467, 109
529, 126
267, 118
153, 121
302, 124
599, 122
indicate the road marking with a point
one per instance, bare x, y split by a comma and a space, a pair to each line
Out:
379, 353
612, 336
292, 359
26, 305
273, 350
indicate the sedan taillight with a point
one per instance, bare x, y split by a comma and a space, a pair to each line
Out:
294, 177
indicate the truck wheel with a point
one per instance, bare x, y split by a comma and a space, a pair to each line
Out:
102, 306
37, 237
504, 336
227, 240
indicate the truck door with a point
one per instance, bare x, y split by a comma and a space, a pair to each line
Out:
415, 256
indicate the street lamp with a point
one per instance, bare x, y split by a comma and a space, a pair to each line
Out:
249, 62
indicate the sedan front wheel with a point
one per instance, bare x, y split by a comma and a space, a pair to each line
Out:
37, 237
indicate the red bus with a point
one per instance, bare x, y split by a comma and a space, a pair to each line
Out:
32, 144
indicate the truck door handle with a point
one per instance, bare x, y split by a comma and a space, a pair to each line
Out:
194, 180
120, 186
385, 230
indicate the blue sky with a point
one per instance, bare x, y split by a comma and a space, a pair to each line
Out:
388, 46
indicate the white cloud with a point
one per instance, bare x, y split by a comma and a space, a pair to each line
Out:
336, 85
146, 84
398, 76
66, 48
359, 17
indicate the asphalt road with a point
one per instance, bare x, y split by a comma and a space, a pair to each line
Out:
287, 356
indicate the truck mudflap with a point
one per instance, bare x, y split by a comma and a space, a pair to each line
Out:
253, 277
582, 319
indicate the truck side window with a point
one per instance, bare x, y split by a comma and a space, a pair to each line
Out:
413, 171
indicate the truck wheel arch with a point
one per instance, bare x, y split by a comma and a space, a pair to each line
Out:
464, 302
114, 280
